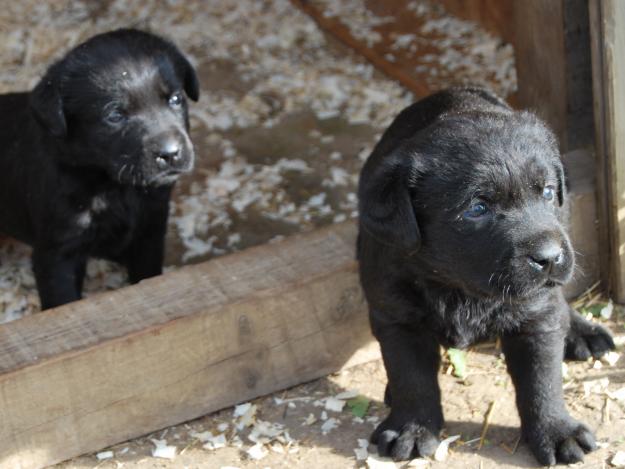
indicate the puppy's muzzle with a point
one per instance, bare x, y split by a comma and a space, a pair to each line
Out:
546, 257
551, 259
169, 155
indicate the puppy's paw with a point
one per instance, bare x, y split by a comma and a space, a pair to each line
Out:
560, 441
402, 441
587, 339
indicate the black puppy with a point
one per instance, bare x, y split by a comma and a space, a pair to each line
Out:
89, 158
462, 237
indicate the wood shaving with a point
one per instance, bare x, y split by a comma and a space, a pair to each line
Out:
419, 462
346, 395
611, 358
443, 448
334, 405
618, 395
361, 452
101, 456
329, 425
246, 414
257, 452
376, 462
618, 460
596, 386
216, 442
162, 449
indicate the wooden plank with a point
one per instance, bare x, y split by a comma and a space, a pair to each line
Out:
122, 364
554, 73
580, 169
608, 62
539, 57
579, 103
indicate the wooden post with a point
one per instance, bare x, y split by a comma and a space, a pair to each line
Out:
554, 74
608, 65
126, 363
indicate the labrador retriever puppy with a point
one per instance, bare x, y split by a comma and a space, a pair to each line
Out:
89, 158
462, 237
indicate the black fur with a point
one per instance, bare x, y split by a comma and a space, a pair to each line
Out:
463, 237
89, 158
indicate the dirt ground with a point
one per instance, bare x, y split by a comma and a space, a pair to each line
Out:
286, 118
465, 402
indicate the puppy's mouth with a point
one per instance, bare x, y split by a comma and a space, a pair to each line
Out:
527, 289
166, 177
552, 283
135, 177
169, 174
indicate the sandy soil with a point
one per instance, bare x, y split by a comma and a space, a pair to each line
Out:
465, 403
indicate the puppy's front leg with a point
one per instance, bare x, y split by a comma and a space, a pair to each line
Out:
144, 257
411, 358
59, 277
534, 361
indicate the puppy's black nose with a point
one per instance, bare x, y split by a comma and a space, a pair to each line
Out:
168, 154
546, 256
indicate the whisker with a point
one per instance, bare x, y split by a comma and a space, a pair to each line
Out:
119, 175
578, 270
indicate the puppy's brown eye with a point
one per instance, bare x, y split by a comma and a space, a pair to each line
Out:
549, 193
175, 100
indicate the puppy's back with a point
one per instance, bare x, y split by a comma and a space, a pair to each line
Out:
424, 112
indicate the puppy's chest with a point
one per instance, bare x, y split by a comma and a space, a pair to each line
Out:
462, 323
106, 222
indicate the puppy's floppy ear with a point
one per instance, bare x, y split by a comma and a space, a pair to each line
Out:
188, 75
385, 202
47, 105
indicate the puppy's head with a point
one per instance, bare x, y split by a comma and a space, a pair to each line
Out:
117, 103
477, 201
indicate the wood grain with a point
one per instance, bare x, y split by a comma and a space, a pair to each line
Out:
540, 60
552, 49
123, 364
607, 19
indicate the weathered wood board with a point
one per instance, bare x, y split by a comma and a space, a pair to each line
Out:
580, 168
607, 20
122, 364
554, 73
